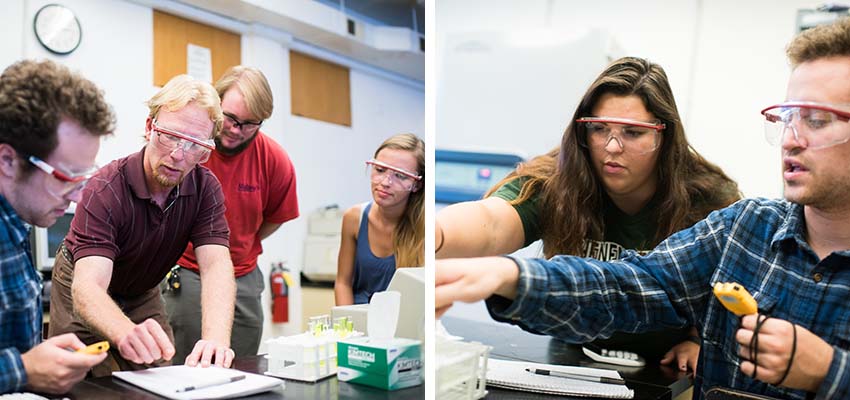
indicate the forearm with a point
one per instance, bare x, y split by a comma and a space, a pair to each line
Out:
508, 272
343, 293
99, 311
218, 297
13, 376
601, 300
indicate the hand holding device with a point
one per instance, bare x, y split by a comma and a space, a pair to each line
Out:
53, 367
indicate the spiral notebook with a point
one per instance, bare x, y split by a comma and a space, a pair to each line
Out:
513, 375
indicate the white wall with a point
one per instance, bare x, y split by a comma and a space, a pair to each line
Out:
740, 69
117, 54
724, 58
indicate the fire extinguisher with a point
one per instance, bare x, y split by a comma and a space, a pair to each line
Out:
280, 281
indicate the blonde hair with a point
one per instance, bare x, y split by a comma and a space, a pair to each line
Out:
831, 40
409, 235
253, 86
182, 90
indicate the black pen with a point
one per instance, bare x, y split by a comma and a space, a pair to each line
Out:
215, 382
589, 378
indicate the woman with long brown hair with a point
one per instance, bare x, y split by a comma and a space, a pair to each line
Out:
388, 232
623, 178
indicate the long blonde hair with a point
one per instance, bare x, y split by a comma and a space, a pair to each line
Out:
409, 234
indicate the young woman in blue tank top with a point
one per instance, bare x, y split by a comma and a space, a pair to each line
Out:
389, 231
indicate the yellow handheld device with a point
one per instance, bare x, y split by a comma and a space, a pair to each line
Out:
95, 348
735, 298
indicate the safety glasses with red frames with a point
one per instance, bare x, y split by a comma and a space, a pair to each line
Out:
64, 183
196, 150
814, 125
631, 135
398, 177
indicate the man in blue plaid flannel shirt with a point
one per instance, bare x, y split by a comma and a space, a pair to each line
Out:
51, 121
793, 255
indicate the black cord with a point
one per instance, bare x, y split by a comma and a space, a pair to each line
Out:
754, 343
790, 360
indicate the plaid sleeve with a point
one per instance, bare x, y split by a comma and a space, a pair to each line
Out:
836, 384
13, 376
581, 299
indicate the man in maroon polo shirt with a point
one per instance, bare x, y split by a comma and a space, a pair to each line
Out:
135, 219
258, 181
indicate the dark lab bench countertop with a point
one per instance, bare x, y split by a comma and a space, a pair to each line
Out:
652, 381
329, 388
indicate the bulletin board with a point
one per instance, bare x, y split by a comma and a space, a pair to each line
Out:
320, 90
171, 36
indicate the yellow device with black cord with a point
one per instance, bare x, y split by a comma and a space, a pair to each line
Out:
735, 298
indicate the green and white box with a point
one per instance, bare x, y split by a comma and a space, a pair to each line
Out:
388, 364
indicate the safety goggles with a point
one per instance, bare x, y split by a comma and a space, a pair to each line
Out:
632, 135
246, 127
398, 177
196, 150
815, 125
64, 183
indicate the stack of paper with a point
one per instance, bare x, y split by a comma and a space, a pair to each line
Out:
514, 375
184, 382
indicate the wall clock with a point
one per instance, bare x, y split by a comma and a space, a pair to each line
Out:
57, 29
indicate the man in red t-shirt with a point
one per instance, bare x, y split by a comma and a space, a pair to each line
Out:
258, 181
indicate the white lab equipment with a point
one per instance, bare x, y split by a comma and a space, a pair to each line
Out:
410, 282
461, 370
312, 355
321, 247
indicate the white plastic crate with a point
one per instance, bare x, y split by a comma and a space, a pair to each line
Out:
309, 356
461, 369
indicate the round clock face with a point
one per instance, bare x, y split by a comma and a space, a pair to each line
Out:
57, 29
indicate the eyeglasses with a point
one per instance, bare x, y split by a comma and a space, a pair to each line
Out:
65, 183
196, 150
638, 136
398, 177
244, 126
815, 125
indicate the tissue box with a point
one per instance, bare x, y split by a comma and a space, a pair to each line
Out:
388, 364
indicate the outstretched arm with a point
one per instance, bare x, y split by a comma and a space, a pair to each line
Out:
218, 296
141, 343
473, 279
485, 227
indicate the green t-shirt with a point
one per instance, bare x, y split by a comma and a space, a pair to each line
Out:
622, 231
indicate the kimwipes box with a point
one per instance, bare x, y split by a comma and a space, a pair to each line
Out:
388, 364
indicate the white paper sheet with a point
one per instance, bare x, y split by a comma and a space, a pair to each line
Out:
165, 381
